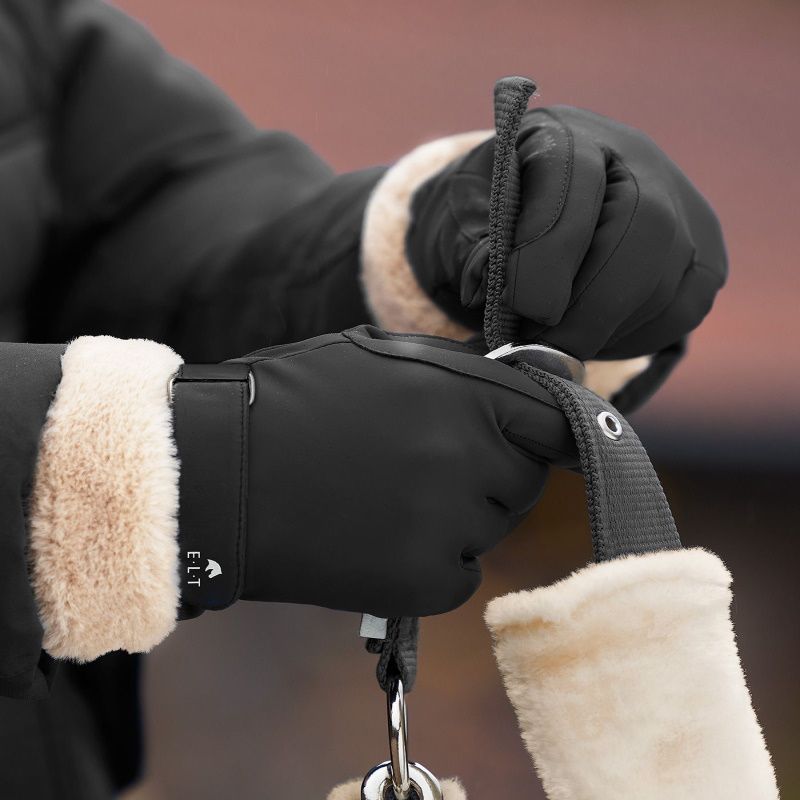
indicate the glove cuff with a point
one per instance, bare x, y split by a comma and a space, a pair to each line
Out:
394, 295
211, 418
626, 681
102, 523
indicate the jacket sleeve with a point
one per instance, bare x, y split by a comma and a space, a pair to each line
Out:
28, 377
165, 212
88, 504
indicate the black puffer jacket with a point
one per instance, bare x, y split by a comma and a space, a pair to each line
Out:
135, 200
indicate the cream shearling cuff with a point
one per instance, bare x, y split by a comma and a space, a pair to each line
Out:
451, 790
396, 299
627, 684
103, 528
393, 294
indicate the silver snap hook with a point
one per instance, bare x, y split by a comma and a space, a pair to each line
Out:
610, 425
398, 739
398, 778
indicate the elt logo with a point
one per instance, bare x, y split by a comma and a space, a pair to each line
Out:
194, 565
213, 569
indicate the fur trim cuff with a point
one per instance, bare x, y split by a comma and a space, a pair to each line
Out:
397, 301
103, 527
626, 681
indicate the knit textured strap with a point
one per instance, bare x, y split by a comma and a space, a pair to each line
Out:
397, 653
628, 511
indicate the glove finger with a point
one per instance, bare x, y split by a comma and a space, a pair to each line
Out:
704, 228
674, 265
533, 440
514, 476
563, 179
552, 442
693, 300
630, 253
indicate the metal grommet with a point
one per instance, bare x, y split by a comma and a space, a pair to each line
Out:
610, 425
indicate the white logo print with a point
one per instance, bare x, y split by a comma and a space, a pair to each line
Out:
213, 569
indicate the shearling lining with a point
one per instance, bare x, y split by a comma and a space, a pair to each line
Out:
626, 682
103, 528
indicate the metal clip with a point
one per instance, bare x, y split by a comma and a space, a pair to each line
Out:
406, 779
547, 359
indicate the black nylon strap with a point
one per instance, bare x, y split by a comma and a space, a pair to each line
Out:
397, 653
511, 97
210, 414
628, 512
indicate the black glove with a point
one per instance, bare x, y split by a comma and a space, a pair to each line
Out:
616, 253
380, 468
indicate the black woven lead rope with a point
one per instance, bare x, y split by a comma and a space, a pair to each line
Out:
397, 653
628, 512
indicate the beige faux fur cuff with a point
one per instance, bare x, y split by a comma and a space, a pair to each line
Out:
103, 528
395, 298
627, 684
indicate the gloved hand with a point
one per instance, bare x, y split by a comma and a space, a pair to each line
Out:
616, 253
380, 468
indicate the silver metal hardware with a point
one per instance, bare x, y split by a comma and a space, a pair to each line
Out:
610, 425
398, 778
373, 627
424, 783
251, 383
398, 739
547, 359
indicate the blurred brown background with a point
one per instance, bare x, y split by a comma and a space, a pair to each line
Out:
279, 702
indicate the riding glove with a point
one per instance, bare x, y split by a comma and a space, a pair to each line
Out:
375, 469
616, 253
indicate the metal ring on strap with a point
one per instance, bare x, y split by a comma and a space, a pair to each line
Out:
398, 739
547, 359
